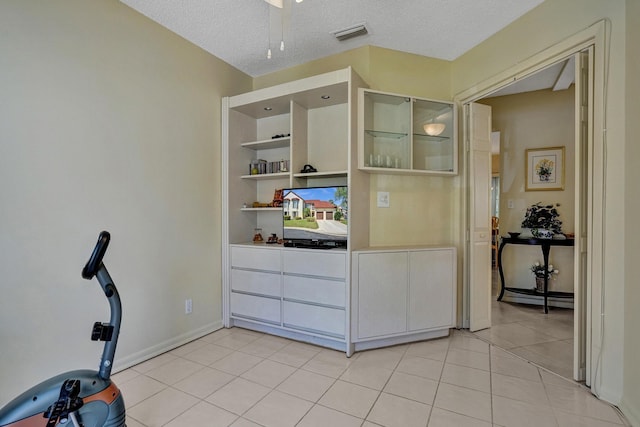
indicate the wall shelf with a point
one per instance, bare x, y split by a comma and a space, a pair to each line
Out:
261, 176
327, 174
267, 143
261, 209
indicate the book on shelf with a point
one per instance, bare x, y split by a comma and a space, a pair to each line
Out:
260, 166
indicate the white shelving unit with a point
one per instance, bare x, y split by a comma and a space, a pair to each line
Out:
318, 116
346, 299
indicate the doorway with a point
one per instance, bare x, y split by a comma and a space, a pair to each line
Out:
588, 221
534, 114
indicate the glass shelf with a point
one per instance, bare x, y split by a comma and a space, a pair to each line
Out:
430, 138
385, 134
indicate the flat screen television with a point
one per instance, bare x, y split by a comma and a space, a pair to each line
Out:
315, 217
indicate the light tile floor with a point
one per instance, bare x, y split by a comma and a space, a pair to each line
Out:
544, 339
235, 377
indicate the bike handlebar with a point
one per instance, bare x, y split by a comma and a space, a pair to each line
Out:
94, 263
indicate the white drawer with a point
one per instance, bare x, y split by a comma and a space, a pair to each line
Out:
258, 308
327, 292
314, 318
255, 258
315, 263
256, 282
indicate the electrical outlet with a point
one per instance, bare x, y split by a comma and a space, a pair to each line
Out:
188, 306
510, 204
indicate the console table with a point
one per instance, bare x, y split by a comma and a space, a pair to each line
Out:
545, 244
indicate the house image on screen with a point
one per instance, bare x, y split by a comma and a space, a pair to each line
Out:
294, 206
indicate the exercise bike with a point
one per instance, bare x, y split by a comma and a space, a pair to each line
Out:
85, 398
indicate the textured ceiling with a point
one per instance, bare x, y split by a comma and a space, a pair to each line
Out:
237, 31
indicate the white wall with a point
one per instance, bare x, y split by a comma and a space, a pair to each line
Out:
107, 121
631, 397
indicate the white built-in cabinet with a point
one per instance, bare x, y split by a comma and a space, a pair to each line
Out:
402, 293
269, 135
283, 128
301, 293
340, 298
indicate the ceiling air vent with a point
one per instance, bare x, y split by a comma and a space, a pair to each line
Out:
350, 32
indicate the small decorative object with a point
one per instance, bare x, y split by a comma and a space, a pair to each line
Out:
542, 217
539, 272
277, 199
244, 205
544, 169
280, 135
257, 235
308, 169
272, 239
514, 234
541, 233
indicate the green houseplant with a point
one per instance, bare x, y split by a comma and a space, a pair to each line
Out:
542, 217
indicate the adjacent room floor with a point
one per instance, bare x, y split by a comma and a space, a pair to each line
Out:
235, 377
544, 339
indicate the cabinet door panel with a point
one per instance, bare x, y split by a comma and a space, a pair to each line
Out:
431, 289
256, 282
255, 258
314, 318
257, 308
315, 263
382, 294
319, 291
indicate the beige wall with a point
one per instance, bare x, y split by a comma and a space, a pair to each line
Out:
421, 208
382, 69
546, 25
110, 121
534, 120
631, 397
107, 121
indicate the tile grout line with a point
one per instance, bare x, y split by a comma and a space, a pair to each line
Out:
444, 362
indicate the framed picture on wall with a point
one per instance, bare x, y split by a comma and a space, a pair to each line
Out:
544, 168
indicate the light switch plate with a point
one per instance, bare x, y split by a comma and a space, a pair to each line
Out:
383, 199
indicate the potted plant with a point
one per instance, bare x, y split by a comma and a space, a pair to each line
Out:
540, 272
543, 220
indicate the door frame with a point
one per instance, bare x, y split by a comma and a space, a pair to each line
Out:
593, 243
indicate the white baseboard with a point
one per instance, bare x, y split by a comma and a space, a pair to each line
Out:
170, 344
631, 414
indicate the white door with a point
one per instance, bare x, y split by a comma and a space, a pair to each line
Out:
584, 138
479, 216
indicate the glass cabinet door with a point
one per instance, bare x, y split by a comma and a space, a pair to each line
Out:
406, 135
433, 142
387, 131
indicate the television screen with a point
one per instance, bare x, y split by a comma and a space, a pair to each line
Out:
315, 214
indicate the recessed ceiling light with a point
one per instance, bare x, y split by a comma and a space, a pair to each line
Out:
325, 97
268, 108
